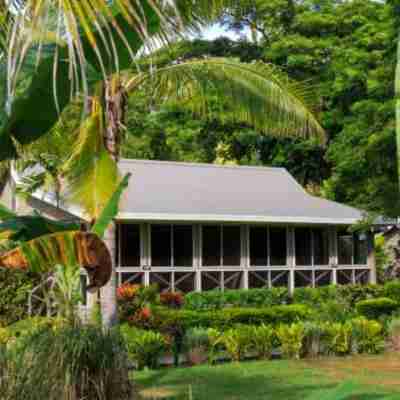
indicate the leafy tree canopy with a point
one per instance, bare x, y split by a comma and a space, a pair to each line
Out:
347, 51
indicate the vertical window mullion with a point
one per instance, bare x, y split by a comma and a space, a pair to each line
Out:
268, 248
221, 263
312, 247
172, 245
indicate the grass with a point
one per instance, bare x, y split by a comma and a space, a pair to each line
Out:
353, 378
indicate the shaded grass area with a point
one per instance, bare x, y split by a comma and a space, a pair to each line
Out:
368, 378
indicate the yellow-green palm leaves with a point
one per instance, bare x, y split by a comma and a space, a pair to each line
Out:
257, 94
91, 172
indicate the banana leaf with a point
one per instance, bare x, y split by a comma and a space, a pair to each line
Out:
35, 112
111, 209
75, 248
28, 227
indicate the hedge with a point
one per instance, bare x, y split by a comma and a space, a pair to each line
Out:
167, 319
215, 299
349, 294
375, 308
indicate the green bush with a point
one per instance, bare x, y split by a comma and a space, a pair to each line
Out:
237, 341
392, 290
291, 338
367, 336
263, 340
14, 291
215, 299
196, 343
338, 338
196, 337
375, 308
394, 333
352, 294
314, 338
144, 347
165, 319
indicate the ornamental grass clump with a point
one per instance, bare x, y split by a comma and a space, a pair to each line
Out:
291, 339
68, 363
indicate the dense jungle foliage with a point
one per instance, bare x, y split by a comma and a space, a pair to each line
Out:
346, 50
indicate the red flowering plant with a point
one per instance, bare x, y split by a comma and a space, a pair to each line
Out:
127, 295
172, 299
142, 318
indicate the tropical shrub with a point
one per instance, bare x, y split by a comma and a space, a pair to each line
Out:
338, 338
394, 333
196, 345
367, 336
291, 338
314, 338
263, 340
238, 341
14, 291
66, 363
132, 298
144, 347
215, 342
334, 311
215, 299
392, 290
167, 319
375, 308
171, 299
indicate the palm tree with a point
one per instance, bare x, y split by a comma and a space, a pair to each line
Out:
94, 55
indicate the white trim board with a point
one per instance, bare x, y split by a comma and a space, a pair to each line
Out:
127, 216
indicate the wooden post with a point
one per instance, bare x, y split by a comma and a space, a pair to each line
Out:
291, 258
108, 292
371, 258
333, 253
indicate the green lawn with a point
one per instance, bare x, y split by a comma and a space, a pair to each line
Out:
357, 378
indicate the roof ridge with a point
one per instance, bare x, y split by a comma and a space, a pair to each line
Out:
202, 165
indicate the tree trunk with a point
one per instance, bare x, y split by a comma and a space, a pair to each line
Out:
114, 104
397, 95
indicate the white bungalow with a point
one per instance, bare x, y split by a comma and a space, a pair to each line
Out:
198, 227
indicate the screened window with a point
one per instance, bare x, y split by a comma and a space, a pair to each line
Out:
303, 246
321, 246
277, 245
161, 245
183, 245
345, 248
129, 243
221, 245
258, 246
172, 245
360, 249
231, 245
211, 245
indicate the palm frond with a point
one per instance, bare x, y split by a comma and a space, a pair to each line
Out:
74, 248
257, 94
91, 172
111, 209
95, 30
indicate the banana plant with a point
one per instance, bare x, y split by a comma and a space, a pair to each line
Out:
42, 244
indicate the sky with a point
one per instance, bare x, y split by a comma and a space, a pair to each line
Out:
215, 31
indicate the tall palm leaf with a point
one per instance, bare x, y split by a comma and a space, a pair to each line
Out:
85, 42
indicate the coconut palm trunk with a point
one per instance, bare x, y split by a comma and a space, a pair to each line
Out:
114, 105
397, 94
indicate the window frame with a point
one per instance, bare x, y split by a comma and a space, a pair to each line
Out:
172, 257
221, 257
313, 264
269, 264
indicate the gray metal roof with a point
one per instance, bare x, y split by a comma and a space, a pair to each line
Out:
161, 190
